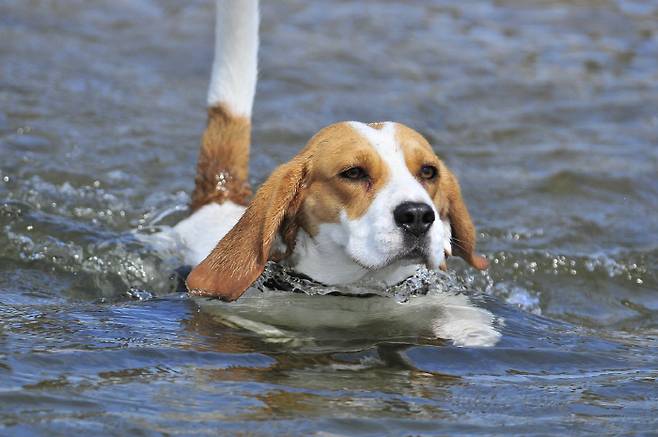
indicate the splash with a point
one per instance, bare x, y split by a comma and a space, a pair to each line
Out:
423, 282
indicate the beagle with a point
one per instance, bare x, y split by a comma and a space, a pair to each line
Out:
361, 202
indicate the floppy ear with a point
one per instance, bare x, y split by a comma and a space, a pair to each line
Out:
450, 204
240, 257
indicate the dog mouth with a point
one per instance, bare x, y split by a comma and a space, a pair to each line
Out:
415, 254
415, 251
410, 255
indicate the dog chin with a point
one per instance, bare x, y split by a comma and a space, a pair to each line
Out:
410, 256
417, 255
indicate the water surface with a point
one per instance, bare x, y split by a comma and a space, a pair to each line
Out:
547, 111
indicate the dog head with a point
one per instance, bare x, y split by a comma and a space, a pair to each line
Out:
357, 200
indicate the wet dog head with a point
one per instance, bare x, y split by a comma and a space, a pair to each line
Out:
359, 201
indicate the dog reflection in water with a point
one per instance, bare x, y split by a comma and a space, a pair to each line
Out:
303, 320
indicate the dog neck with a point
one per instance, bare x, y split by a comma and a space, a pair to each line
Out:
324, 260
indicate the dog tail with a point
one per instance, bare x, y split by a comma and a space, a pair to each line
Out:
223, 165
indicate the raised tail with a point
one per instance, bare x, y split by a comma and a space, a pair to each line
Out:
223, 165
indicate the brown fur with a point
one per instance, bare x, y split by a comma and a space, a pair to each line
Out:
240, 256
306, 192
335, 149
449, 202
223, 165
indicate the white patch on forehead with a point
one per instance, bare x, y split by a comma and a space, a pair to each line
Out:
382, 139
401, 182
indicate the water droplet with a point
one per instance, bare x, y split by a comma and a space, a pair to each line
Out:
139, 294
6, 178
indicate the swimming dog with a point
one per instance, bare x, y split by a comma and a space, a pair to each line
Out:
361, 202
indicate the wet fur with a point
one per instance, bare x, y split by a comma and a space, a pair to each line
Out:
223, 163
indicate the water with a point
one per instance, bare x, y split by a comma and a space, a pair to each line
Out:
547, 110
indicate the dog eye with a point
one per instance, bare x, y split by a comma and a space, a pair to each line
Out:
428, 172
354, 173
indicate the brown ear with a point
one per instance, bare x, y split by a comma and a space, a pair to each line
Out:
450, 203
240, 257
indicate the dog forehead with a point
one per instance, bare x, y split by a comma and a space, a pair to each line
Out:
383, 138
398, 145
402, 154
332, 143
380, 136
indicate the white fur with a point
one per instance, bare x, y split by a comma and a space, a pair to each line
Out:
234, 70
325, 259
367, 248
447, 235
200, 232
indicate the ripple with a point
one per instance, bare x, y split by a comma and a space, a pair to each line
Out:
570, 183
112, 261
545, 110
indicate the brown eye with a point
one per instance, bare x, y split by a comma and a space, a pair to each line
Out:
354, 173
428, 172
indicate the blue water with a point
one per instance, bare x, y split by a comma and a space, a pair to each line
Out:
547, 111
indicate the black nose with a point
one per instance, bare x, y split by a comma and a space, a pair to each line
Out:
414, 217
